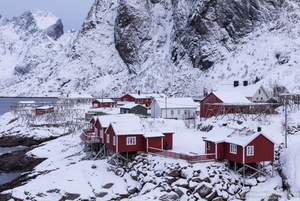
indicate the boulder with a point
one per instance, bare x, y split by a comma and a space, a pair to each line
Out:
204, 189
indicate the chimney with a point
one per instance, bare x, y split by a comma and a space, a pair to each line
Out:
235, 83
258, 129
245, 83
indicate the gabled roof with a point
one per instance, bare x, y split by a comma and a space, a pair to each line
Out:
104, 100
26, 102
248, 91
231, 97
173, 103
125, 128
105, 120
154, 95
130, 105
238, 137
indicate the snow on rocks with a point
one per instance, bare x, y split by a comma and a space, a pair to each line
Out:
148, 174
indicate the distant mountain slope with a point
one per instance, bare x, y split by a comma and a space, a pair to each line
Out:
179, 47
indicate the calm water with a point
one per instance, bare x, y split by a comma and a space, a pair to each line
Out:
7, 102
5, 106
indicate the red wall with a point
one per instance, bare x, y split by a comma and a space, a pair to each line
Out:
263, 150
211, 148
211, 98
40, 111
140, 144
238, 157
145, 101
221, 150
100, 104
155, 142
128, 97
169, 139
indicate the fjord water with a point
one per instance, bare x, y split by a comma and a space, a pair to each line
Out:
5, 106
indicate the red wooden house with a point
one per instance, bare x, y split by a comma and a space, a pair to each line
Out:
216, 101
158, 140
142, 99
103, 103
243, 148
44, 110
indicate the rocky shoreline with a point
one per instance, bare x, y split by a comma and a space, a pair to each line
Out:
18, 160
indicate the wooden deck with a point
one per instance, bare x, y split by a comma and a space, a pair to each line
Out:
88, 135
189, 158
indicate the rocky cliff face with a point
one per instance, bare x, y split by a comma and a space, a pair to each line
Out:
177, 47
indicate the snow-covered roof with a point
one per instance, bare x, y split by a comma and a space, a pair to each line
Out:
153, 134
154, 95
231, 97
248, 91
45, 107
104, 100
130, 105
171, 103
242, 138
105, 120
26, 102
124, 128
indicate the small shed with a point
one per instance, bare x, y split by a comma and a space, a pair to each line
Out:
154, 140
140, 98
134, 109
103, 103
46, 109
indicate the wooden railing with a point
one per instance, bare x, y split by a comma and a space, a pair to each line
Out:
89, 136
189, 158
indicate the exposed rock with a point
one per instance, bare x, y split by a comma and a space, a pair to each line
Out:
261, 179
218, 199
173, 173
170, 180
169, 196
211, 196
108, 185
204, 189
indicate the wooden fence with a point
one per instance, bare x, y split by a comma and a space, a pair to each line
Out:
189, 158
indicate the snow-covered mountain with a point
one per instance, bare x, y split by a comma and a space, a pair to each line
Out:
179, 47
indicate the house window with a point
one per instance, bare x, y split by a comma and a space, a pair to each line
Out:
107, 138
139, 100
172, 112
250, 150
125, 99
131, 141
101, 133
185, 112
233, 149
178, 111
259, 91
208, 145
95, 131
114, 140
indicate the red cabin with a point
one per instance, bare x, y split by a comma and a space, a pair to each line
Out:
142, 99
103, 103
242, 149
44, 110
211, 104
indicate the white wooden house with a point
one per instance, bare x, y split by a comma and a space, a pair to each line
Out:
173, 108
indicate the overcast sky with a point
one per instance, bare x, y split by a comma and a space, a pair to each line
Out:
71, 12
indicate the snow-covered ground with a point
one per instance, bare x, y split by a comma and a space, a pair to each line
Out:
67, 171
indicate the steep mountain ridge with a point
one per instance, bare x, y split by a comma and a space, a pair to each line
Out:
173, 46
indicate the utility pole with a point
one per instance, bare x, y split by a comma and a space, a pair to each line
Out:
285, 121
166, 107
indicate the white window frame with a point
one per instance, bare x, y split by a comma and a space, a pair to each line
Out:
114, 140
95, 131
178, 112
233, 149
101, 133
107, 138
131, 140
250, 150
